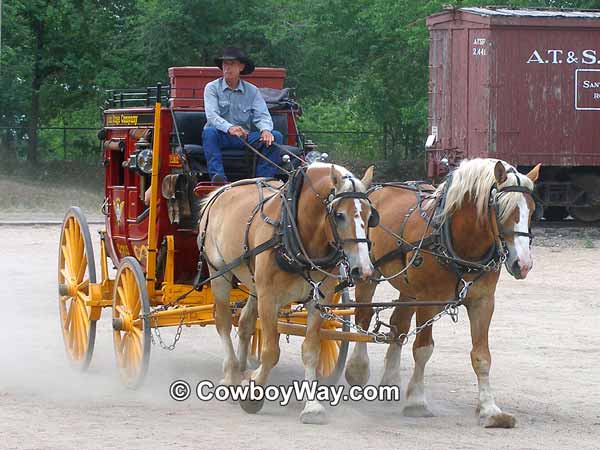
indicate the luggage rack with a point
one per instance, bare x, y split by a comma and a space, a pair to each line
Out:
126, 98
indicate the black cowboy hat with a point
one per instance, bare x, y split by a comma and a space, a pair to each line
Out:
234, 53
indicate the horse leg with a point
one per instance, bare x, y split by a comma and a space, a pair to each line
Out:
313, 411
268, 311
401, 318
221, 289
246, 328
480, 315
416, 405
357, 367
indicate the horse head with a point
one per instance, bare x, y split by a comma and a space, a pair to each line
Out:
348, 213
516, 206
502, 200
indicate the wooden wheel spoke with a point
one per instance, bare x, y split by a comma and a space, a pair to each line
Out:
70, 247
64, 274
81, 268
84, 298
124, 351
126, 285
67, 258
137, 332
121, 309
136, 351
136, 307
85, 320
69, 318
84, 285
81, 330
121, 295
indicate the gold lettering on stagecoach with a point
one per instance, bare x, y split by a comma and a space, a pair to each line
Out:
122, 119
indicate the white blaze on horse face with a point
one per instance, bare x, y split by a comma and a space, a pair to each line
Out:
364, 261
521, 243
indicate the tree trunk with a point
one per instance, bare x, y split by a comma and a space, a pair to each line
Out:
32, 149
36, 84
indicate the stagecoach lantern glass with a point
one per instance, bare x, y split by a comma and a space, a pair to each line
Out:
144, 161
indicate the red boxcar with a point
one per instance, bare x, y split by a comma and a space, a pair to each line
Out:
521, 85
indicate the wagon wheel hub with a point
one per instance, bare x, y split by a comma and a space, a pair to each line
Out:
69, 288
123, 323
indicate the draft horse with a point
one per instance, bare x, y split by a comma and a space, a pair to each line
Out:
290, 239
430, 243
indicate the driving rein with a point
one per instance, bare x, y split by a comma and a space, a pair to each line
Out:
291, 255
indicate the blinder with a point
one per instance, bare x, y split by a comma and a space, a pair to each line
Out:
374, 218
331, 211
494, 200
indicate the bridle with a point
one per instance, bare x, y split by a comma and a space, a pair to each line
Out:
495, 194
332, 213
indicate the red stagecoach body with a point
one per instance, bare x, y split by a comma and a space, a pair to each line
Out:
128, 128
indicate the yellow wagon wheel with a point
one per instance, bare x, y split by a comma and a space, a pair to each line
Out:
131, 325
76, 270
332, 358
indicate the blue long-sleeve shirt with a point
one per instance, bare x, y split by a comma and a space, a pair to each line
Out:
243, 106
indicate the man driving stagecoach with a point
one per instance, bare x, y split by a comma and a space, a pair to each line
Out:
232, 106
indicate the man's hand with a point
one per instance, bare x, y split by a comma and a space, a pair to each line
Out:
267, 137
238, 131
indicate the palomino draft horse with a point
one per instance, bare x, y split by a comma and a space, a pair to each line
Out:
289, 237
475, 221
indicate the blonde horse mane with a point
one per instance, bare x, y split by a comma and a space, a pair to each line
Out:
473, 181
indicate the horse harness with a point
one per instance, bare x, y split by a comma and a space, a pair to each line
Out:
439, 244
439, 241
291, 255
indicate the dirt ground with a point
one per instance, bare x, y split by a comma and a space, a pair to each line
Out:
545, 342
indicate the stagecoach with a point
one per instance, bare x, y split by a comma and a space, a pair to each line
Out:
150, 230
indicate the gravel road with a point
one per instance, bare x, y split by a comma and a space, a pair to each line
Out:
545, 342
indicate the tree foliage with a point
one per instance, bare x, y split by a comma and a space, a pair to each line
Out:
360, 65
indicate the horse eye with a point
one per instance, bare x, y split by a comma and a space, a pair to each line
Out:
339, 216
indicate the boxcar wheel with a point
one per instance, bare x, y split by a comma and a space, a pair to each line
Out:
131, 325
590, 184
554, 213
76, 270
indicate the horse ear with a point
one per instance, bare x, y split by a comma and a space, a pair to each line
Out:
368, 177
500, 172
535, 173
335, 179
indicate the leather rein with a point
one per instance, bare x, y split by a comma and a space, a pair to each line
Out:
291, 254
439, 242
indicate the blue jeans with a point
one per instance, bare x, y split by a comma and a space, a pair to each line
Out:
214, 140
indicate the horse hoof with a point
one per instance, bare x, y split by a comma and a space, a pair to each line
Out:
501, 420
252, 406
357, 374
417, 411
314, 414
